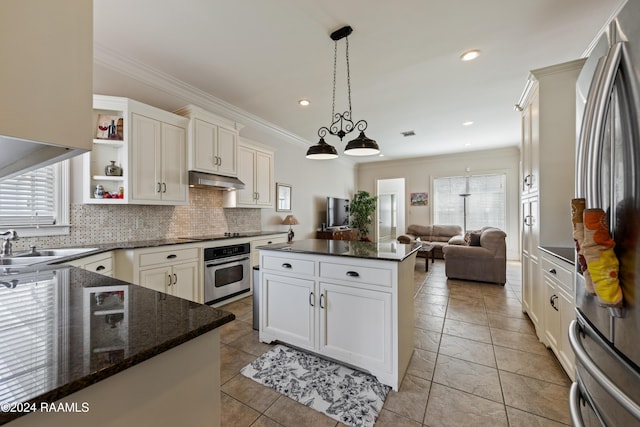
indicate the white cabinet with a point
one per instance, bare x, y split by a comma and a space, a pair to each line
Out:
255, 170
101, 263
212, 142
357, 311
559, 309
355, 325
548, 156
158, 159
264, 241
288, 310
150, 147
174, 269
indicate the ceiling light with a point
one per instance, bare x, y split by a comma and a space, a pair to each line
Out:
304, 102
468, 144
467, 123
342, 124
470, 55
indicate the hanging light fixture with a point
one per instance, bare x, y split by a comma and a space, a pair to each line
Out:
342, 124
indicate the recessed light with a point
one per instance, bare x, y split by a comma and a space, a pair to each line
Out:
304, 102
380, 155
469, 123
470, 55
468, 144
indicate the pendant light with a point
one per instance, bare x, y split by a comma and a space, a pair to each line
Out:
342, 124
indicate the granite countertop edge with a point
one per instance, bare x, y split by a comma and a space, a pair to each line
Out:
287, 248
97, 376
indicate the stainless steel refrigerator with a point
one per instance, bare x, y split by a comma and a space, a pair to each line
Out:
606, 341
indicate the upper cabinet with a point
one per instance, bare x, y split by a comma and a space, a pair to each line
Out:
139, 155
212, 142
46, 83
255, 170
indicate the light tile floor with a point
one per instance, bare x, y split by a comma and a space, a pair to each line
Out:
476, 362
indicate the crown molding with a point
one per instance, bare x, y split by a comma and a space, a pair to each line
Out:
110, 59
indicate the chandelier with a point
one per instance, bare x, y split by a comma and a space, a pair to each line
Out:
342, 124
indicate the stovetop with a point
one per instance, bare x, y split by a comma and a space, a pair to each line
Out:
228, 235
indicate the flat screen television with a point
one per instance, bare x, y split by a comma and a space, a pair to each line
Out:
337, 212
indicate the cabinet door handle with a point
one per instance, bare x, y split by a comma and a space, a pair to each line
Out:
552, 301
219, 161
321, 301
100, 268
553, 271
172, 256
159, 188
164, 187
175, 279
353, 274
169, 276
286, 265
311, 299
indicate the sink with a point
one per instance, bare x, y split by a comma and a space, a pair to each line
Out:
26, 260
54, 253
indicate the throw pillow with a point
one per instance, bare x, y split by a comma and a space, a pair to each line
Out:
474, 239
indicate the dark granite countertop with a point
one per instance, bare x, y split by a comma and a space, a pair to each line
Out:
63, 328
110, 246
388, 251
564, 253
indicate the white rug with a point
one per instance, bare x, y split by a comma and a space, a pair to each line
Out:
344, 394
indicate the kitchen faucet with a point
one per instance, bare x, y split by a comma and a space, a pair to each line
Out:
6, 245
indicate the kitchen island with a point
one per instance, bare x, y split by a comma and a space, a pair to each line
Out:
348, 301
79, 348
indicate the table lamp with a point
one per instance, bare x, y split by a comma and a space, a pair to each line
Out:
290, 220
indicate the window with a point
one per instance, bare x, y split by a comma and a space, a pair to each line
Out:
485, 201
37, 202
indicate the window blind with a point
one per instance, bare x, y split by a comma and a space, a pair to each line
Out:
28, 355
486, 200
29, 199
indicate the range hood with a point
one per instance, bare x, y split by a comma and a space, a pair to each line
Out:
221, 182
21, 155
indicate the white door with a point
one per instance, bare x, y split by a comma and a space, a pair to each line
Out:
355, 325
185, 281
156, 278
204, 147
263, 178
246, 171
390, 212
174, 161
288, 310
227, 149
146, 158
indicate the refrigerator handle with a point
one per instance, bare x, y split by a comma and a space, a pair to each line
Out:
583, 358
596, 134
585, 131
574, 406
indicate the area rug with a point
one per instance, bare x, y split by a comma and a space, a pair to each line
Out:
352, 397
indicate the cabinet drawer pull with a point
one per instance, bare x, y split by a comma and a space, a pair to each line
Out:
321, 301
286, 265
353, 274
269, 242
553, 271
172, 256
100, 268
311, 299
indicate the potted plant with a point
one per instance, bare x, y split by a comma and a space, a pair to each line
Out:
360, 210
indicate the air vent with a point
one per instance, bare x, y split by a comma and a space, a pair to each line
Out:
408, 133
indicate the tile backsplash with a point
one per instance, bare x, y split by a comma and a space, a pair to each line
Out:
94, 224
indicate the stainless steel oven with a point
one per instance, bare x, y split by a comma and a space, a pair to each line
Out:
226, 272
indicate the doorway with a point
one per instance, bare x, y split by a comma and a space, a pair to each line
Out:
390, 211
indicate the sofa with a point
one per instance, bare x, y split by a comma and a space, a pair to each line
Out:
437, 235
482, 258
